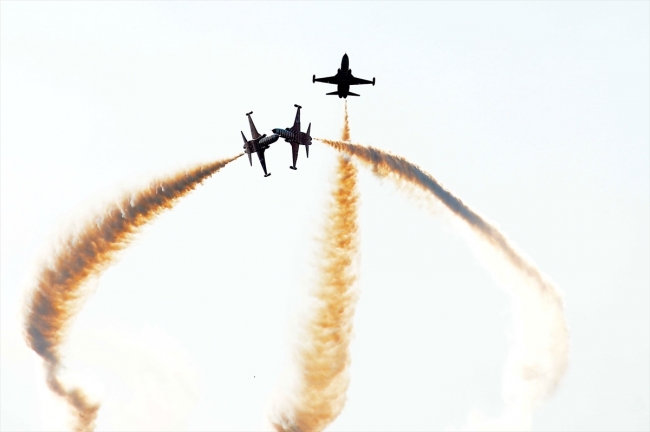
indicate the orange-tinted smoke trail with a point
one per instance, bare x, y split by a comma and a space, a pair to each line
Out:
57, 293
387, 165
540, 357
345, 135
324, 356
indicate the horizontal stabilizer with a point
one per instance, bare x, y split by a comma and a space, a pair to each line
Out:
352, 94
333, 93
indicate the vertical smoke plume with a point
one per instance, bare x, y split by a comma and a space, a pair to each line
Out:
345, 135
325, 356
540, 354
58, 293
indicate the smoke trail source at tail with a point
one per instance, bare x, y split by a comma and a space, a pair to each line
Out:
345, 135
57, 293
540, 355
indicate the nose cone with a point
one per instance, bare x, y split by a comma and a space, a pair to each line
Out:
345, 63
268, 140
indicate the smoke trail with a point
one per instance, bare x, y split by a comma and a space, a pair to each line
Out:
325, 357
540, 355
57, 294
345, 135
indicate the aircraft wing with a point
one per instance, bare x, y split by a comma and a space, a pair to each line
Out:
296, 122
330, 80
355, 81
254, 132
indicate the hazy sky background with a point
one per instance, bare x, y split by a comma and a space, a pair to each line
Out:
536, 114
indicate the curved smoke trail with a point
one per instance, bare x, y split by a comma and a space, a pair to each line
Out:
540, 356
57, 293
325, 357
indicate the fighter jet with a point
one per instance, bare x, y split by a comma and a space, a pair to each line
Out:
343, 79
258, 144
293, 136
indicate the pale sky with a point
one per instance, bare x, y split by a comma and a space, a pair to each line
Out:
536, 114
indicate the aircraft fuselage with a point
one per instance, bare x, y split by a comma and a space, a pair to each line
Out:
344, 74
291, 136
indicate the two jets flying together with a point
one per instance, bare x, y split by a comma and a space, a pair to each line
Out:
259, 143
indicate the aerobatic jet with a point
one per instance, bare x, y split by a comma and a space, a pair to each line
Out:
343, 79
293, 136
258, 144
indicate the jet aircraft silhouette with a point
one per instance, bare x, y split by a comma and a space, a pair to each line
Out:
258, 144
293, 136
343, 79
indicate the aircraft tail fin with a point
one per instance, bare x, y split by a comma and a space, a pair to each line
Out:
246, 148
308, 143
